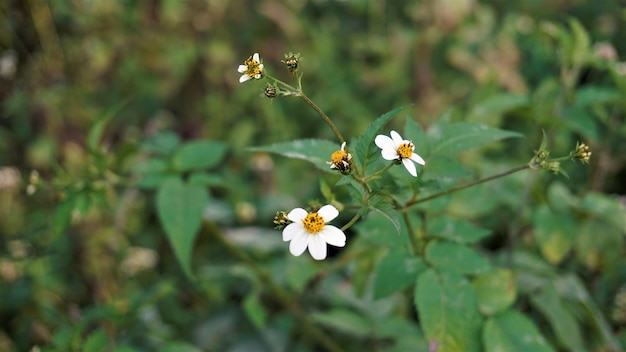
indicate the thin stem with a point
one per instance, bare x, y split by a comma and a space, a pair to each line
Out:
416, 242
351, 222
467, 185
323, 115
387, 167
283, 296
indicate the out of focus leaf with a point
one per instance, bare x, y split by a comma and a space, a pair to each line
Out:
451, 139
456, 230
180, 207
513, 331
495, 292
96, 341
447, 310
344, 320
561, 320
197, 155
456, 257
255, 310
397, 270
555, 233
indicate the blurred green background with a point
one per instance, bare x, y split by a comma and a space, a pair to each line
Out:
99, 272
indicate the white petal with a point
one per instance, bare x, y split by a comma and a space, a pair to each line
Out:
243, 78
299, 243
383, 142
328, 212
290, 231
397, 139
333, 236
418, 159
242, 68
261, 67
255, 57
317, 247
389, 154
410, 166
297, 215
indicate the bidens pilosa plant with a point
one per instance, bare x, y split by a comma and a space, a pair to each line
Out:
360, 176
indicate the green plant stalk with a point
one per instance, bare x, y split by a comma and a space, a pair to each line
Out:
323, 115
283, 296
467, 185
416, 240
351, 222
387, 167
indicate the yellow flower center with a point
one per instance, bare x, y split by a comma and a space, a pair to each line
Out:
338, 156
405, 150
253, 68
313, 223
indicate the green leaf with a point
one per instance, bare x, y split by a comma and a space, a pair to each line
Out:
180, 207
495, 292
604, 207
377, 230
178, 346
397, 270
344, 320
316, 151
456, 257
555, 233
513, 331
414, 132
561, 320
197, 155
364, 142
97, 128
593, 95
456, 230
581, 121
96, 341
206, 179
446, 307
162, 143
462, 136
443, 168
255, 310
388, 212
497, 104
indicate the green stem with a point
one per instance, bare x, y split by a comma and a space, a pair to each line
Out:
379, 171
283, 296
351, 222
323, 115
467, 185
417, 243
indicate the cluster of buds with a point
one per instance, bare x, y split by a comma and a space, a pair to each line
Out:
281, 220
581, 153
341, 160
291, 61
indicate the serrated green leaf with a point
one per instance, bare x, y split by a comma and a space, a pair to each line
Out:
414, 132
397, 270
446, 307
561, 320
198, 155
315, 151
450, 139
255, 310
456, 257
495, 292
364, 142
513, 331
443, 168
180, 207
388, 212
456, 230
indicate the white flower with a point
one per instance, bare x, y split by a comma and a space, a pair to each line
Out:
396, 148
310, 230
251, 68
